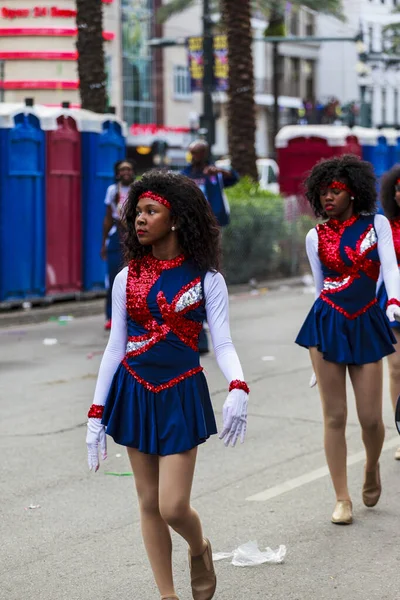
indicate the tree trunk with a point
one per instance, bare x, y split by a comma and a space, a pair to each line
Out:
241, 104
91, 63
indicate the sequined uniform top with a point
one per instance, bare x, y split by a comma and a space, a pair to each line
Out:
346, 323
381, 288
165, 307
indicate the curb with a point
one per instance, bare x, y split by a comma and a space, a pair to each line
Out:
78, 308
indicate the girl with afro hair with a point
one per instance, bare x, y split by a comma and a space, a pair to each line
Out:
346, 329
390, 200
151, 395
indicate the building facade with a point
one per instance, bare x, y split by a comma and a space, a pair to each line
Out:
182, 107
340, 73
38, 55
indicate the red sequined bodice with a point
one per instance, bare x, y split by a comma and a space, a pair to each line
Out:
350, 264
165, 306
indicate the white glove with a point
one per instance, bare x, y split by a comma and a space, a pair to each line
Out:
393, 312
234, 417
95, 436
313, 380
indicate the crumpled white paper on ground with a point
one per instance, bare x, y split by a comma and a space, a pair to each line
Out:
249, 555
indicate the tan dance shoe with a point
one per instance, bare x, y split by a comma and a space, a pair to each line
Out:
372, 487
343, 513
202, 574
397, 454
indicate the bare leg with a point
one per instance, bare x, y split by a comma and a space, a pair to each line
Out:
331, 379
155, 531
367, 385
176, 477
394, 371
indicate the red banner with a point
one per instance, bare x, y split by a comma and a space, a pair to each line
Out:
39, 85
38, 55
46, 32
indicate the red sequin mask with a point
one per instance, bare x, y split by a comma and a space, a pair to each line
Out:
336, 185
156, 198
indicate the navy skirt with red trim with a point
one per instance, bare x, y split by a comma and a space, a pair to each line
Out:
173, 420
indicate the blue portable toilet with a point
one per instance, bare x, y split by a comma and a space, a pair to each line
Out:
368, 140
103, 144
22, 202
391, 136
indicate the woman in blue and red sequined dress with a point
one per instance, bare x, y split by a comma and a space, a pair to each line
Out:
151, 395
346, 329
390, 200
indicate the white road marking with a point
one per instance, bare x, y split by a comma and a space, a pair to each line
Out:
297, 482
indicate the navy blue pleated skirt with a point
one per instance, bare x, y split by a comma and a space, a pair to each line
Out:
365, 339
168, 422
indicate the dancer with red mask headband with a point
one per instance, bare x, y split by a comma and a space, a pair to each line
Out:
390, 200
151, 395
346, 329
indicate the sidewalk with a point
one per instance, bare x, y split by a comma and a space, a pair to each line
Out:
89, 307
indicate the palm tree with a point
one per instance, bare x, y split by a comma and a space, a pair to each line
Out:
241, 104
91, 63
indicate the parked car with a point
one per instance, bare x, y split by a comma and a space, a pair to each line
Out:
268, 172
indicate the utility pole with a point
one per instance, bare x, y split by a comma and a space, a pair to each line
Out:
276, 75
207, 119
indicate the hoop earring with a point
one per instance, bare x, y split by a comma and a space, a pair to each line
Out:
173, 228
352, 198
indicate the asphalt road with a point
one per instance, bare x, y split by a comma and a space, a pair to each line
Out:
82, 541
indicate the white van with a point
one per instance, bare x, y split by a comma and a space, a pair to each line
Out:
268, 172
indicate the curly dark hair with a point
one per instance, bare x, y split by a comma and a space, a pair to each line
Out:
387, 192
198, 231
357, 174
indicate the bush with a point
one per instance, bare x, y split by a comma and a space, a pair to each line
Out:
260, 242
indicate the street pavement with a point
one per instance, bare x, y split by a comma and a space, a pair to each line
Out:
83, 542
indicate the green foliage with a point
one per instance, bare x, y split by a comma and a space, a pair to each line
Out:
260, 242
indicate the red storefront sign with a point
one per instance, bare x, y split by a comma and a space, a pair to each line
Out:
37, 11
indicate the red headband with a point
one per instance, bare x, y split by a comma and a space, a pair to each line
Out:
398, 180
340, 186
157, 198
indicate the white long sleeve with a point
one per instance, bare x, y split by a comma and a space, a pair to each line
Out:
387, 257
217, 308
116, 347
313, 258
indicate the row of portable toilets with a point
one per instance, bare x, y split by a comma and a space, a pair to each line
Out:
55, 167
299, 147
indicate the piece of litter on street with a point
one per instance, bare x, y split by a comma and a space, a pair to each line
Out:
118, 455
32, 507
92, 354
118, 474
268, 358
249, 555
221, 555
254, 293
26, 305
66, 318
50, 341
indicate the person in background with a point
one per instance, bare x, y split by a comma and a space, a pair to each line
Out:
390, 200
111, 248
212, 181
346, 330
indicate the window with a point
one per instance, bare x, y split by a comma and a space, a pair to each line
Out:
383, 106
294, 21
294, 76
370, 38
182, 89
309, 23
309, 76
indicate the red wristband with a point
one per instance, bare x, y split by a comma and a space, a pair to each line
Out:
236, 384
96, 411
393, 301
